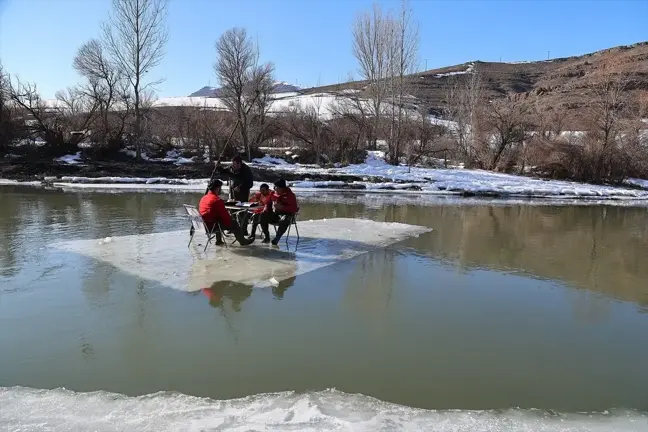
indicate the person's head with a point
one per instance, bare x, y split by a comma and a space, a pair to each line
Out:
264, 189
280, 186
237, 161
215, 186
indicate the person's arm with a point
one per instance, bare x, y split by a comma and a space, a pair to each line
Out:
248, 178
269, 202
223, 215
279, 205
222, 170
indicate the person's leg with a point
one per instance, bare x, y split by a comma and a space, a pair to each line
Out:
282, 225
240, 237
243, 218
266, 219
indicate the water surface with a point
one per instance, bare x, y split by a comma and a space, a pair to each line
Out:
500, 306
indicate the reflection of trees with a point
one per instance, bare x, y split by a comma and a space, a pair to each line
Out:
97, 279
10, 220
598, 248
370, 284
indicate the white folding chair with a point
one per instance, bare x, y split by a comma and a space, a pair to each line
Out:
198, 224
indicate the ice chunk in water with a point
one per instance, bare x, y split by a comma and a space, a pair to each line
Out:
29, 409
165, 258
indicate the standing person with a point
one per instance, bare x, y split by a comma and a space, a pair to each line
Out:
241, 176
213, 212
279, 210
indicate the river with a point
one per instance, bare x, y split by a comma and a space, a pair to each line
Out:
502, 306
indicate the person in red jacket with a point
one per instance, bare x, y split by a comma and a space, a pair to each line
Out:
262, 197
279, 209
213, 211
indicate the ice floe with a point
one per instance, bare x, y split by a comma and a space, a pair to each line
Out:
25, 409
165, 258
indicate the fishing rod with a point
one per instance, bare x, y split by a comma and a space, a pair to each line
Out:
238, 120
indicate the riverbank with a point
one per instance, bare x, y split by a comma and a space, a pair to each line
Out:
373, 176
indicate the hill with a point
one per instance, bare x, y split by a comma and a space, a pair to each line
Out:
561, 82
278, 87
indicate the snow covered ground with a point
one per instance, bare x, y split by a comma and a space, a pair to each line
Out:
378, 177
451, 181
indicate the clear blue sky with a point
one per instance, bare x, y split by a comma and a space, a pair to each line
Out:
310, 40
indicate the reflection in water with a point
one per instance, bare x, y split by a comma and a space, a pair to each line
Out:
279, 289
235, 292
599, 248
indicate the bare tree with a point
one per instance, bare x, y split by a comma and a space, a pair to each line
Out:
41, 121
103, 83
505, 125
463, 100
6, 123
135, 37
404, 43
245, 84
372, 50
386, 48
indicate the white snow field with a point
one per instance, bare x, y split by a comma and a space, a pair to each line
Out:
165, 258
25, 409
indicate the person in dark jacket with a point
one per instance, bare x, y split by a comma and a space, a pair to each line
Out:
242, 179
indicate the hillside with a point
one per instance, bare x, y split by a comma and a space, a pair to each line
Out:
562, 82
278, 87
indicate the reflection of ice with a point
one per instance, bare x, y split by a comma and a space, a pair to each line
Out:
164, 257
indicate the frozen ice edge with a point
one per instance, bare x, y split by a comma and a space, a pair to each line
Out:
198, 185
60, 409
164, 257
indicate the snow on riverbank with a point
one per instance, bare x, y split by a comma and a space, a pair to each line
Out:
456, 181
378, 177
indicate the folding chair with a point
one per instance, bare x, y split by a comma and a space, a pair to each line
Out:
291, 222
197, 223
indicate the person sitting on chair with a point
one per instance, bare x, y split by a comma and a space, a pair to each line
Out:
213, 211
241, 176
279, 210
261, 198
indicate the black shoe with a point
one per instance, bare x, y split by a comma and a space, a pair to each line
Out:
266, 240
275, 242
220, 242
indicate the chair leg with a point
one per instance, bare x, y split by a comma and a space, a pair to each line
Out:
287, 235
209, 239
223, 237
190, 239
297, 230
